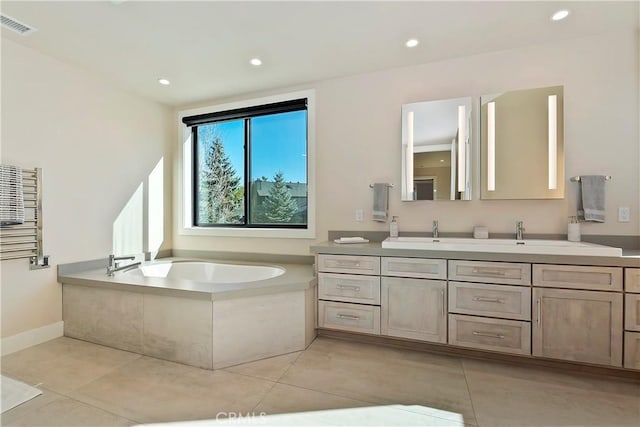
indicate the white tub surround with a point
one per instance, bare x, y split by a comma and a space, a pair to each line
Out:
205, 324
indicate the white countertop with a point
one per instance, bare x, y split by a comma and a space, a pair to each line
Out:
629, 258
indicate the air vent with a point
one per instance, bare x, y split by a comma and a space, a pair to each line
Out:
16, 26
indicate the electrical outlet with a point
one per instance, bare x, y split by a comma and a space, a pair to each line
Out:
359, 215
624, 214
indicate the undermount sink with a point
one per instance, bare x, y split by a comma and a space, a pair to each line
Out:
527, 246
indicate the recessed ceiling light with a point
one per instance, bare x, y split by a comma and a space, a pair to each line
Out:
560, 15
164, 82
256, 62
441, 160
412, 43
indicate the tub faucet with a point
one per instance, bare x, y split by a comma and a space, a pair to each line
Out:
520, 230
434, 229
114, 265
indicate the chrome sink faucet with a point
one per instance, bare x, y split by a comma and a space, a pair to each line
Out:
434, 229
520, 230
114, 265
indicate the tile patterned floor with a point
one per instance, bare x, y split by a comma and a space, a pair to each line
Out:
331, 383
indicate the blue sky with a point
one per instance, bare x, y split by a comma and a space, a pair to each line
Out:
278, 143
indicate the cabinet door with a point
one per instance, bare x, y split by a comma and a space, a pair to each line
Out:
481, 299
418, 268
632, 350
632, 312
632, 280
352, 264
578, 277
349, 317
504, 273
349, 288
583, 326
414, 308
506, 336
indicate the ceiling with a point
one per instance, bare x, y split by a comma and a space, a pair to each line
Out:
204, 47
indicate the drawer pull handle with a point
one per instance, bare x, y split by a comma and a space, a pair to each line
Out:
539, 313
444, 309
348, 316
488, 334
489, 299
348, 263
348, 287
488, 272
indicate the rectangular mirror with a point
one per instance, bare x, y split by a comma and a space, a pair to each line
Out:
436, 160
522, 144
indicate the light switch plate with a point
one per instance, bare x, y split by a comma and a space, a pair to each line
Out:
624, 214
359, 215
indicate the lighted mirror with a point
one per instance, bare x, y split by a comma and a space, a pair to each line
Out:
436, 159
522, 144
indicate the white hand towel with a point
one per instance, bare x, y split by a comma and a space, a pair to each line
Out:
591, 198
11, 196
380, 202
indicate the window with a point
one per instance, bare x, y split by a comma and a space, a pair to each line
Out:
247, 168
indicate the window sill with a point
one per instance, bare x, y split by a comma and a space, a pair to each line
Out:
273, 233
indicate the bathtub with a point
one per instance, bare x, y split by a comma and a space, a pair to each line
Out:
207, 271
205, 313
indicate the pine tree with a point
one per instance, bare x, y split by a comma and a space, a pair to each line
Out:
278, 206
221, 186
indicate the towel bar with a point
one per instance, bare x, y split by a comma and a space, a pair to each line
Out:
577, 178
388, 185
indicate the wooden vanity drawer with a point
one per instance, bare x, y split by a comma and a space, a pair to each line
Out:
349, 317
632, 350
419, 268
632, 279
349, 264
507, 273
506, 336
480, 299
578, 277
632, 312
349, 288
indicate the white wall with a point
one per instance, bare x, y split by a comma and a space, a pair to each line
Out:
96, 145
358, 140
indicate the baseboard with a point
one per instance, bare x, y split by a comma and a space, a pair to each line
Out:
31, 337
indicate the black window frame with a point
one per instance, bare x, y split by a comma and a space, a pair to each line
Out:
245, 114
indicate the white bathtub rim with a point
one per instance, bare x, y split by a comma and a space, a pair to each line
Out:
296, 277
277, 270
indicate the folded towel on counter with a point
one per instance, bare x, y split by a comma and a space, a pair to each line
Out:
380, 202
591, 198
11, 195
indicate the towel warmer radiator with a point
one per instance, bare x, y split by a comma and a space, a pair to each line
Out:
25, 240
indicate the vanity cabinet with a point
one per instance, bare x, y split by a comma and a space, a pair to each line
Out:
577, 313
349, 293
578, 325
